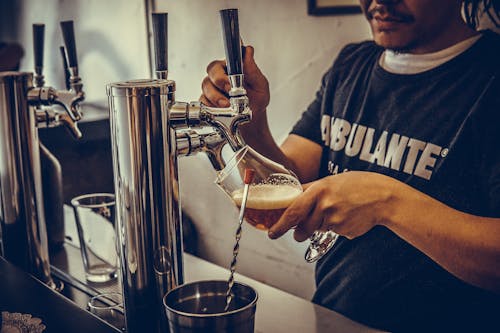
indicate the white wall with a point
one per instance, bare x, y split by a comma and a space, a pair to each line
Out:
292, 49
110, 41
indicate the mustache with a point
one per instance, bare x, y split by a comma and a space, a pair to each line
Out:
388, 11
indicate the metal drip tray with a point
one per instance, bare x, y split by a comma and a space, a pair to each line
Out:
67, 267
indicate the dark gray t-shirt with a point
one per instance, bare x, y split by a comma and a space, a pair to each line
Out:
437, 131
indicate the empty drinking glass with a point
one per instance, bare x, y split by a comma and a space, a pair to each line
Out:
108, 307
94, 215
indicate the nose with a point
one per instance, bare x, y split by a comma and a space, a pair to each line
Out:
365, 4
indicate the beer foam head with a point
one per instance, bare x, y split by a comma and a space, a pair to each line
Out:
268, 196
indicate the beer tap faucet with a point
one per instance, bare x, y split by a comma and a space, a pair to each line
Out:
160, 34
38, 48
26, 104
237, 94
69, 100
189, 119
228, 120
225, 121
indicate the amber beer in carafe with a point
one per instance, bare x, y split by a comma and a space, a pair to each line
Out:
266, 203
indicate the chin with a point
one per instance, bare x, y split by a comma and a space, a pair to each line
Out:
392, 42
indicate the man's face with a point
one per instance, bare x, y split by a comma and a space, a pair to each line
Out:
416, 26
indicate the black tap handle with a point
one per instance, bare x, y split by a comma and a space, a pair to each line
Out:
160, 33
69, 41
67, 74
232, 43
38, 43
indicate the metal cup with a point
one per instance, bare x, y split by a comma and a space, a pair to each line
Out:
198, 307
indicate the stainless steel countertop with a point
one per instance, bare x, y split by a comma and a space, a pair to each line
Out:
277, 310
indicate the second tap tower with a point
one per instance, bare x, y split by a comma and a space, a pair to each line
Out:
149, 130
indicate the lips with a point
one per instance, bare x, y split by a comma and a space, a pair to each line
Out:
385, 17
389, 18
385, 21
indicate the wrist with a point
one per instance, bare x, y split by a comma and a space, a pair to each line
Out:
404, 205
257, 127
393, 207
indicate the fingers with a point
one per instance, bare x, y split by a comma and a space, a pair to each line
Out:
216, 71
253, 75
249, 64
298, 213
205, 101
306, 186
312, 223
216, 85
212, 95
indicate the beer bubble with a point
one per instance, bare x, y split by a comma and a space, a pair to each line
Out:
267, 200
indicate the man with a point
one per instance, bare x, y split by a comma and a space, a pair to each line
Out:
414, 117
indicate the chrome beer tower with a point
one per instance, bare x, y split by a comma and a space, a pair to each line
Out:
149, 130
25, 107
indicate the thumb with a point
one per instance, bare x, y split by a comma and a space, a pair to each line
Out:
307, 185
248, 57
250, 68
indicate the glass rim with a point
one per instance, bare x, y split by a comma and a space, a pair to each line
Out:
75, 202
106, 298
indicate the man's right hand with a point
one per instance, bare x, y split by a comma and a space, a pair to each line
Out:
215, 86
297, 153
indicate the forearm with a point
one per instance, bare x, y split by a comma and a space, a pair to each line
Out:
467, 246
